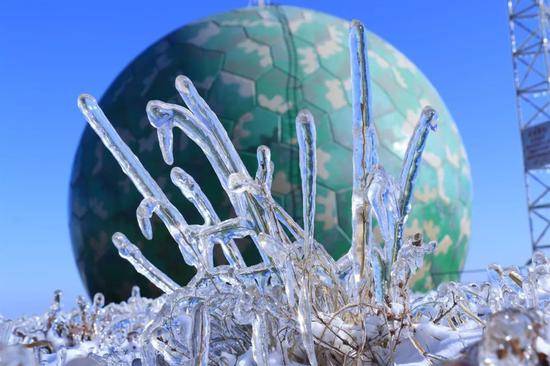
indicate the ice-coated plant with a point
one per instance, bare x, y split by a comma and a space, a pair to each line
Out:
298, 306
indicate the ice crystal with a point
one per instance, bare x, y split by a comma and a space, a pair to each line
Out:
298, 306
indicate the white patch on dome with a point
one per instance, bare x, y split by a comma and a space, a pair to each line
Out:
465, 225
462, 151
264, 22
333, 45
425, 102
266, 15
407, 129
413, 228
425, 194
431, 230
163, 61
148, 81
435, 162
403, 62
245, 87
328, 203
379, 59
466, 170
78, 209
281, 184
335, 94
98, 154
454, 159
250, 46
98, 208
423, 273
275, 104
465, 165
399, 78
204, 34
100, 244
444, 245
347, 84
454, 128
204, 84
322, 159
295, 24
240, 130
308, 59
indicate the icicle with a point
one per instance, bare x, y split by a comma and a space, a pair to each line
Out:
305, 132
200, 336
364, 156
144, 213
191, 190
260, 351
132, 254
409, 171
264, 174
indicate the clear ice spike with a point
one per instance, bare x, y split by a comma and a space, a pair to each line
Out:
305, 132
144, 213
307, 143
132, 254
364, 156
409, 171
264, 174
194, 194
260, 350
200, 336
304, 320
202, 111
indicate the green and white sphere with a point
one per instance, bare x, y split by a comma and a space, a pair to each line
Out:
256, 68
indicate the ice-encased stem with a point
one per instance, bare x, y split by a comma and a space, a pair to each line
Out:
194, 194
209, 121
364, 155
409, 172
200, 337
306, 135
307, 142
146, 185
132, 254
264, 174
205, 132
260, 351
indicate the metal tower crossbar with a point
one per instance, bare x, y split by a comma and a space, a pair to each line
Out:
529, 21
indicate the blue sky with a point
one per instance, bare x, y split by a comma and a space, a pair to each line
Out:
51, 51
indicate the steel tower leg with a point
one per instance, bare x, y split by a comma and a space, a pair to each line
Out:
528, 20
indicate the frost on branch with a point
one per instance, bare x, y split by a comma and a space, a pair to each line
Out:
299, 306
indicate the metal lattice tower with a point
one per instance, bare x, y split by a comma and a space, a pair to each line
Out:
528, 21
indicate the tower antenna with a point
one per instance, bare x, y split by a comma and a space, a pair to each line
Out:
528, 20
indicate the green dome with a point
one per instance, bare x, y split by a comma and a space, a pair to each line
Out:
256, 68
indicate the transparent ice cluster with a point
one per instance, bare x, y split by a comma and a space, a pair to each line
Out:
299, 306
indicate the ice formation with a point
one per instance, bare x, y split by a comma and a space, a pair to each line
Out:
299, 306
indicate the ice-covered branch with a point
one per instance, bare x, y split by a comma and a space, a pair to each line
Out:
132, 254
365, 157
146, 185
409, 171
